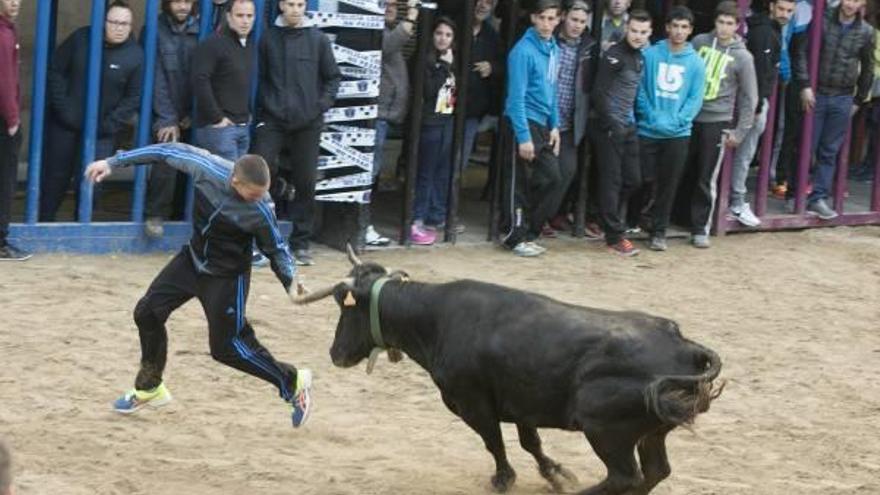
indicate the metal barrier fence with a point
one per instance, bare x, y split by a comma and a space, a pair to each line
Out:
799, 218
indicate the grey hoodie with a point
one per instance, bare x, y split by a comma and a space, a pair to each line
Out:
730, 81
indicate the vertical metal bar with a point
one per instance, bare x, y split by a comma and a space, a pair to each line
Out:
503, 156
93, 99
840, 183
806, 154
145, 117
38, 108
206, 11
256, 34
766, 154
723, 191
461, 103
426, 18
875, 190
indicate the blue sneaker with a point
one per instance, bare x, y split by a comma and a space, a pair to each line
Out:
134, 399
258, 260
302, 400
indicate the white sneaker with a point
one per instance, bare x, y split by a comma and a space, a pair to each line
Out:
541, 249
745, 216
527, 250
373, 238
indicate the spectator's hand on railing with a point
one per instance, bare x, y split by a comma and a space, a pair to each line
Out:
170, 134
98, 171
808, 99
483, 68
730, 139
12, 130
224, 122
555, 141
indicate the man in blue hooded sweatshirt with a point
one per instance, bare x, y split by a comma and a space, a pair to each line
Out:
670, 97
532, 108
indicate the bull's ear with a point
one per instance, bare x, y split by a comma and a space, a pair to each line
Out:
349, 299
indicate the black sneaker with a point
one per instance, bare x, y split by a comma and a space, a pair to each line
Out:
12, 253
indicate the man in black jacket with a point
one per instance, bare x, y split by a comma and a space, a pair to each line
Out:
614, 97
222, 70
299, 79
764, 43
485, 73
846, 67
178, 32
121, 66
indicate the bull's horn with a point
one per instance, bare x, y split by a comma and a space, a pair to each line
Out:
319, 294
352, 256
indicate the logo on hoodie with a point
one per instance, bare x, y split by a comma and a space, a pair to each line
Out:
716, 69
670, 79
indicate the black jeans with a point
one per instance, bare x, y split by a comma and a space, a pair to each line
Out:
301, 170
789, 151
62, 161
532, 189
230, 336
663, 162
619, 176
704, 160
9, 146
166, 189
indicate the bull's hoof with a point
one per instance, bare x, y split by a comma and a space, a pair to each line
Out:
503, 480
559, 477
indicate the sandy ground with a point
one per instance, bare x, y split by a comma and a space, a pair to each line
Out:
793, 315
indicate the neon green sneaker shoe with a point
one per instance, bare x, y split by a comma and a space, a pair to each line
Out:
134, 399
302, 399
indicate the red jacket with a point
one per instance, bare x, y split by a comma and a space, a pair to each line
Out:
10, 93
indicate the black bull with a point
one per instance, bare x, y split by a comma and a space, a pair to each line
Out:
625, 379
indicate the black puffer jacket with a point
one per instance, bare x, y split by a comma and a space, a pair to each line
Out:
842, 53
121, 69
764, 43
299, 77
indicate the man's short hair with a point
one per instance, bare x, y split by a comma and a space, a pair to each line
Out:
579, 5
680, 13
119, 4
252, 169
166, 6
727, 8
639, 15
542, 5
5, 468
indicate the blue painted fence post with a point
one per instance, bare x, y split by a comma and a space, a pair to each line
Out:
38, 108
93, 98
145, 120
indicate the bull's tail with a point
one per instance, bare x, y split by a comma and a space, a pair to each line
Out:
678, 399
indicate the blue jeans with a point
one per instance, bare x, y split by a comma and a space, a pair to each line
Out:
435, 171
830, 122
230, 142
471, 126
378, 150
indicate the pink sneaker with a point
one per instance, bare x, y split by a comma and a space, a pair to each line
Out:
421, 236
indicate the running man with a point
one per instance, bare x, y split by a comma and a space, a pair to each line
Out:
232, 210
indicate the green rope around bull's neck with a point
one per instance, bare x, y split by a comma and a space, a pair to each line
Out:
375, 327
